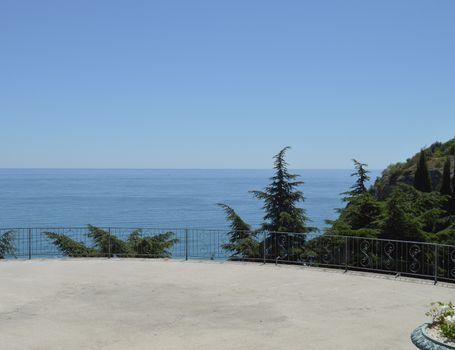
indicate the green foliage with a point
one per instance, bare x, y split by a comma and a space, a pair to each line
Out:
246, 248
361, 173
452, 209
236, 222
394, 209
242, 240
281, 197
446, 236
361, 215
362, 211
282, 214
399, 223
106, 244
446, 186
443, 315
155, 246
422, 180
103, 239
70, 247
6, 244
404, 172
406, 214
427, 208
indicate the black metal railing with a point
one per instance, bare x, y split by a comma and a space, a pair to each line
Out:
418, 259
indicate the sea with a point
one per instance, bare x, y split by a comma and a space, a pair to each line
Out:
155, 198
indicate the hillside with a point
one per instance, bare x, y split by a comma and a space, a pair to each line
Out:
404, 172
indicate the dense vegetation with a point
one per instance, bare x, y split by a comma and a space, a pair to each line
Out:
436, 156
281, 214
106, 244
411, 201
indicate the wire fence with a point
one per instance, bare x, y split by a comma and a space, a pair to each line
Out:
402, 258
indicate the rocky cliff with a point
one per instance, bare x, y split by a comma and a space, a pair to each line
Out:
404, 172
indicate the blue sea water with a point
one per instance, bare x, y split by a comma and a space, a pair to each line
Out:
153, 197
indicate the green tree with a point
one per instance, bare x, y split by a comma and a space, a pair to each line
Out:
242, 240
422, 180
446, 186
453, 193
362, 212
399, 222
360, 215
281, 197
361, 173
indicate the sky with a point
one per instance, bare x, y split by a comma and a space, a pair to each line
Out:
223, 84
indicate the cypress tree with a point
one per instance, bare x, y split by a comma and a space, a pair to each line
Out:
446, 186
281, 197
422, 180
453, 193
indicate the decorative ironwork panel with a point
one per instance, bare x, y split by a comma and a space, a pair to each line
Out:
415, 265
365, 259
389, 249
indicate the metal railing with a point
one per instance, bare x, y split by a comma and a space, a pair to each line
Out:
402, 258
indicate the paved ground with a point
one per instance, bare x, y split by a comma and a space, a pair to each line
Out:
150, 304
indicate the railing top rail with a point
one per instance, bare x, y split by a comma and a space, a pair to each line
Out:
386, 240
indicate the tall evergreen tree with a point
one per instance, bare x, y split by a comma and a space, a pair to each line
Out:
453, 193
361, 173
422, 180
446, 186
281, 197
360, 216
359, 187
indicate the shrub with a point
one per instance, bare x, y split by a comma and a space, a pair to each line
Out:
443, 315
70, 247
6, 244
105, 244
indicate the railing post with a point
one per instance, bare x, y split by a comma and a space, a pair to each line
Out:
29, 244
186, 244
435, 264
346, 254
109, 243
264, 249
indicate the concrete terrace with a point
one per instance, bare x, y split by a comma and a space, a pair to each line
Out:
156, 304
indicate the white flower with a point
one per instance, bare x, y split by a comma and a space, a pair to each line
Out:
450, 320
444, 307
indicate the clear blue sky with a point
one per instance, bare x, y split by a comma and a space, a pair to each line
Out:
223, 84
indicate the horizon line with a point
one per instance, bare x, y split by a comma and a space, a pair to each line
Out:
143, 168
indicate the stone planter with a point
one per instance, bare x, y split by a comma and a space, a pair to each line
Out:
424, 342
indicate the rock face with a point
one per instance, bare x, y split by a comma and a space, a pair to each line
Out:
436, 154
